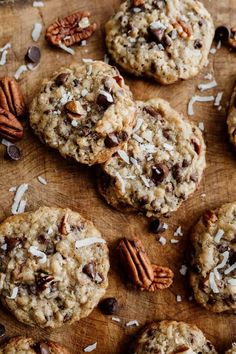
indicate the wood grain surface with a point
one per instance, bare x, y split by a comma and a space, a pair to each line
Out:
74, 186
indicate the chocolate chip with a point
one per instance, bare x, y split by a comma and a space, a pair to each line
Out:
42, 239
61, 79
76, 82
103, 102
2, 330
222, 33
13, 152
109, 306
12, 242
157, 35
156, 226
111, 140
176, 173
232, 258
41, 348
159, 173
42, 281
123, 136
33, 54
186, 163
197, 44
90, 270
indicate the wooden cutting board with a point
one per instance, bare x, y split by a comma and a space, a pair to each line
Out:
74, 186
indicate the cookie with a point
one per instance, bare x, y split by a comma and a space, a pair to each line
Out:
231, 119
232, 350
19, 345
162, 166
213, 263
53, 266
165, 40
172, 337
85, 111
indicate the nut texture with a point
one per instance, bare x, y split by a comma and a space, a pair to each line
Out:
71, 29
10, 128
11, 97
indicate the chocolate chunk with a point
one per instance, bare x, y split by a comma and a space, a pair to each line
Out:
2, 330
12, 242
41, 348
33, 55
13, 152
222, 33
42, 281
159, 173
103, 101
61, 79
156, 226
42, 239
176, 173
109, 306
157, 35
76, 82
123, 136
186, 163
197, 44
90, 270
151, 111
111, 140
232, 258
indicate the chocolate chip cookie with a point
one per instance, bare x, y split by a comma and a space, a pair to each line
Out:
19, 345
163, 39
162, 166
231, 120
172, 337
53, 266
232, 350
213, 274
85, 111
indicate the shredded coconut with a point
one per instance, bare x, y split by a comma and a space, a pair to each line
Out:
120, 179
42, 180
232, 281
106, 59
18, 196
90, 348
66, 49
36, 31
35, 252
178, 232
5, 47
6, 142
224, 261
13, 189
138, 138
174, 241
178, 298
201, 126
165, 226
208, 86
14, 293
213, 284
50, 230
138, 125
132, 323
107, 95
219, 235
21, 207
183, 270
3, 59
115, 319
84, 60
218, 99
20, 71
213, 51
168, 147
198, 99
38, 4
162, 240
230, 269
145, 181
88, 242
208, 76
123, 156
157, 25
84, 22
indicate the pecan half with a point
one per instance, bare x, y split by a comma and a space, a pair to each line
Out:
10, 128
65, 226
11, 97
144, 275
182, 29
71, 29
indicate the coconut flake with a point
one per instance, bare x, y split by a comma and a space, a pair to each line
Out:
14, 293
174, 241
107, 95
3, 59
90, 348
198, 99
147, 135
88, 242
218, 99
165, 226
18, 196
213, 51
37, 253
74, 123
145, 181
178, 298
12, 189
20, 71
42, 180
219, 235
138, 125
134, 161
212, 283
50, 230
232, 281
38, 4
208, 76
5, 47
136, 9
183, 270
36, 31
206, 63
21, 207
168, 147
84, 22
84, 92
122, 182
162, 240
230, 269
123, 156
157, 25
137, 138
115, 319
6, 142
208, 86
201, 126
224, 261
132, 323
83, 43
66, 49
84, 60
106, 59
178, 232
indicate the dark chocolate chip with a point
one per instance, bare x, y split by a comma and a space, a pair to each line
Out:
159, 173
232, 258
2, 330
90, 270
41, 348
176, 172
197, 44
33, 54
157, 35
51, 100
156, 226
103, 102
12, 242
42, 281
109, 306
222, 33
13, 152
111, 140
186, 163
76, 82
61, 79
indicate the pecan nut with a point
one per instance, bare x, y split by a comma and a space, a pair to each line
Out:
65, 226
11, 97
10, 128
144, 274
232, 39
209, 217
71, 29
138, 3
182, 29
74, 110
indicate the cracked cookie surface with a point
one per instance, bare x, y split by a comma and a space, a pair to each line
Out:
53, 266
165, 40
172, 337
85, 111
163, 164
23, 345
213, 272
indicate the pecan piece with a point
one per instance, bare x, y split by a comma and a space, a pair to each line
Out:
74, 110
11, 97
71, 29
232, 39
138, 3
163, 278
10, 128
182, 29
65, 226
209, 217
